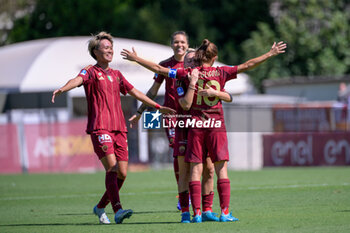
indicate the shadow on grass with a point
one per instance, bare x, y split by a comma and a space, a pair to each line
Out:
79, 224
48, 224
135, 212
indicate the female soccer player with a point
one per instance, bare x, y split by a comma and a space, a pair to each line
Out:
185, 102
212, 140
106, 123
179, 45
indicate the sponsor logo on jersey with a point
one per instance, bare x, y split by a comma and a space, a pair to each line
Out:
103, 138
109, 78
180, 91
83, 72
100, 76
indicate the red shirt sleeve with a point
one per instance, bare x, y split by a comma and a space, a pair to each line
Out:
229, 72
181, 73
85, 74
158, 78
124, 85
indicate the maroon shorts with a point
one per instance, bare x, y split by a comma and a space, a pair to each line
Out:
106, 143
202, 142
180, 141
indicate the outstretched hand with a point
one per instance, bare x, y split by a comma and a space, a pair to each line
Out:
128, 55
278, 48
166, 110
134, 120
54, 94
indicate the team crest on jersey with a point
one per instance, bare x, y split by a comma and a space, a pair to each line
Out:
104, 148
109, 78
182, 149
83, 72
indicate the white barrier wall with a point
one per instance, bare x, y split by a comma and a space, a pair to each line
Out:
246, 152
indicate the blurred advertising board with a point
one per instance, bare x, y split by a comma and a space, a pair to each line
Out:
306, 149
59, 147
310, 117
47, 147
10, 161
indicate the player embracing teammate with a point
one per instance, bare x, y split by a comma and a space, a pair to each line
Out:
203, 141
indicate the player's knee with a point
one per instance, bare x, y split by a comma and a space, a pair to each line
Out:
112, 169
122, 174
211, 172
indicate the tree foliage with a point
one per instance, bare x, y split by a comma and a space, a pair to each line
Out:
225, 22
317, 33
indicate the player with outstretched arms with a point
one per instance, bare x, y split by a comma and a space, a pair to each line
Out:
211, 140
106, 124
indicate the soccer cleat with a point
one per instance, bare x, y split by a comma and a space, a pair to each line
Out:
102, 216
227, 218
208, 216
185, 217
121, 215
197, 218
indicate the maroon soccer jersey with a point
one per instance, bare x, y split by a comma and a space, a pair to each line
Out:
182, 115
215, 77
102, 90
169, 99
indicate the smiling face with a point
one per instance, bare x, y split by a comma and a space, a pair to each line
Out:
104, 52
179, 46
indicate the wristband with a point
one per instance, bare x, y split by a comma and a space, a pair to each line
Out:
172, 73
139, 112
192, 88
157, 106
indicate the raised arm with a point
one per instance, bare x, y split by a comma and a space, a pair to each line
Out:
154, 67
143, 98
252, 63
75, 82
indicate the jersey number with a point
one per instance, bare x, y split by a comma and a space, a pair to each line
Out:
207, 101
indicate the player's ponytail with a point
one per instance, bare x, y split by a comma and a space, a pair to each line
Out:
206, 52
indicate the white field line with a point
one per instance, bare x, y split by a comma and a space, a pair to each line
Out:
173, 192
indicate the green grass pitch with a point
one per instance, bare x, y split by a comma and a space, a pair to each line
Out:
270, 200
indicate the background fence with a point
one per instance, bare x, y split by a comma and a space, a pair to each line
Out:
310, 134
